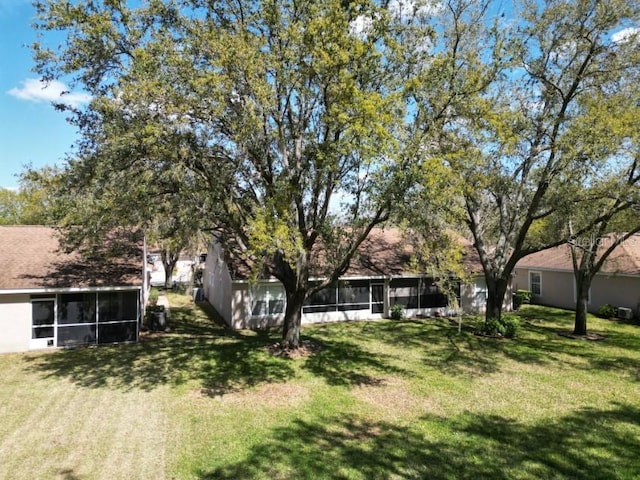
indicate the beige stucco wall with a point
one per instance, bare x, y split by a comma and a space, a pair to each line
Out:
15, 323
241, 304
473, 296
217, 283
558, 289
617, 290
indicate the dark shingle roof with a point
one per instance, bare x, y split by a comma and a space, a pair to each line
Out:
385, 252
30, 258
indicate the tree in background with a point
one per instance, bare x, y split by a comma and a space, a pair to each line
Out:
606, 136
32, 202
174, 230
510, 95
9, 207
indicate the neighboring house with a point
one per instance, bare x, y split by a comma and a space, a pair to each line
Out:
182, 272
549, 276
50, 299
379, 277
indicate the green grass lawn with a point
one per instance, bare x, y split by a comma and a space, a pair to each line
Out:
379, 400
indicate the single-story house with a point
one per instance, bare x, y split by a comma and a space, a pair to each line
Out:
379, 277
49, 298
549, 276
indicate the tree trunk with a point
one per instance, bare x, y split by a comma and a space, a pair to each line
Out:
293, 318
496, 290
582, 298
168, 274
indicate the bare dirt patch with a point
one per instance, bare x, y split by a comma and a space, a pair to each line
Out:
271, 395
392, 396
594, 337
306, 349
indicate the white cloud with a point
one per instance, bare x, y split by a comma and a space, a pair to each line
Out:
34, 90
404, 10
361, 27
625, 35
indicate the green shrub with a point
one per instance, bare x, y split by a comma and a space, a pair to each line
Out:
607, 311
521, 297
397, 311
511, 323
153, 295
493, 327
507, 326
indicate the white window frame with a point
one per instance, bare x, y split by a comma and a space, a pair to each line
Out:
271, 291
535, 272
45, 342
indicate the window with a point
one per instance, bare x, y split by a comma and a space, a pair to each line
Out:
353, 295
74, 308
42, 317
118, 306
431, 296
418, 293
324, 300
404, 291
267, 300
72, 319
117, 317
535, 283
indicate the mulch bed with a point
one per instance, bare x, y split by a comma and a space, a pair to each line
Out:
594, 337
306, 349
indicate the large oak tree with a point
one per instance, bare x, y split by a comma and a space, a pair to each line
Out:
281, 121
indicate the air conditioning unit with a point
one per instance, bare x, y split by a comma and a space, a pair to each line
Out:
625, 313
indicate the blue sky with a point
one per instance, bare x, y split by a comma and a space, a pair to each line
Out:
31, 130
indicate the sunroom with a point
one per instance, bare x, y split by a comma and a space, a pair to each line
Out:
84, 318
51, 298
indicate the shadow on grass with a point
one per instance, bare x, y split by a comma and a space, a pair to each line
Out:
342, 362
436, 341
197, 349
442, 347
586, 444
619, 352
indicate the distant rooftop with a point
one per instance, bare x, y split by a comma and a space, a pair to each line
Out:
624, 260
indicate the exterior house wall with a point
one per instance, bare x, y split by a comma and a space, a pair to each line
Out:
324, 317
182, 272
619, 291
217, 283
558, 289
15, 323
241, 309
473, 296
